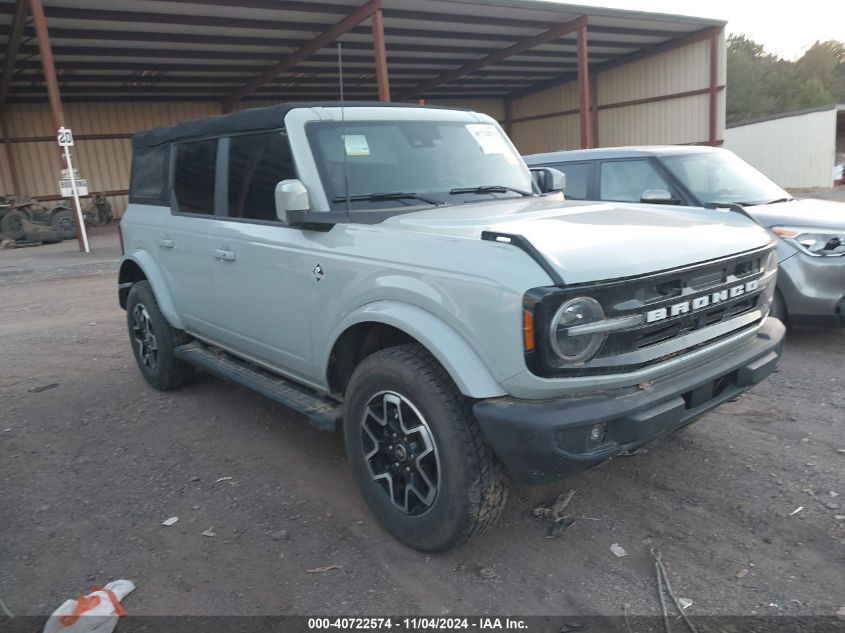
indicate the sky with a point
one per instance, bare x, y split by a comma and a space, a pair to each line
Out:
784, 28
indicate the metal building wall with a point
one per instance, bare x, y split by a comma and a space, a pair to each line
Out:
662, 99
797, 152
103, 135
102, 153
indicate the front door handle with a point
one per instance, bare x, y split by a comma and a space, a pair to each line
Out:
224, 255
166, 243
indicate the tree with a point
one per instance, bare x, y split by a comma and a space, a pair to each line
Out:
760, 83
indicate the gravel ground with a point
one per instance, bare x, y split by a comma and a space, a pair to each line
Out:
92, 461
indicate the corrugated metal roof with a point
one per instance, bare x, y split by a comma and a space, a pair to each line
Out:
204, 49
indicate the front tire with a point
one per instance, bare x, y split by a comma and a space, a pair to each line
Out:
417, 453
153, 340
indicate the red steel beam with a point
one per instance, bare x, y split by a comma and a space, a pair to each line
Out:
326, 37
47, 64
714, 86
53, 94
381, 57
584, 88
497, 56
14, 43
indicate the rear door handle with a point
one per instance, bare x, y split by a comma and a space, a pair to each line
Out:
224, 255
166, 243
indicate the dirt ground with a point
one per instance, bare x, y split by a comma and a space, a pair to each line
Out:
746, 504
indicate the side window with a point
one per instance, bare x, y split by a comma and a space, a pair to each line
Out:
625, 180
257, 162
193, 176
577, 179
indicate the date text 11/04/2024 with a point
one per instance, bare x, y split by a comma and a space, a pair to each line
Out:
418, 623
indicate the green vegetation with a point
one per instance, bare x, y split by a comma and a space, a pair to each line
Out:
760, 83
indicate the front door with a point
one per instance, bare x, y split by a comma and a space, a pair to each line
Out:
262, 278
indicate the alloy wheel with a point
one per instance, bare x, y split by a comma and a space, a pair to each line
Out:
400, 452
144, 338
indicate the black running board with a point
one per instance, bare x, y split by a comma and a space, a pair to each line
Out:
322, 412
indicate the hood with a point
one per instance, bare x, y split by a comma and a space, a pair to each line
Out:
588, 241
808, 212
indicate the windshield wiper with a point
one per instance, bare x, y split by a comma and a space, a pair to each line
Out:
781, 200
394, 195
488, 189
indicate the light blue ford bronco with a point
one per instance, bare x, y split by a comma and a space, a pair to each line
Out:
399, 271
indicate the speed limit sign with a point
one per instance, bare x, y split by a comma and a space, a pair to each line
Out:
65, 137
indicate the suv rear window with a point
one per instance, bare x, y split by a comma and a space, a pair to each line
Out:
193, 176
149, 175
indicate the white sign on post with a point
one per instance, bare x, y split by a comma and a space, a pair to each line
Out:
65, 139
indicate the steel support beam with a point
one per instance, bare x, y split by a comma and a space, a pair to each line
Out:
497, 56
14, 43
326, 37
714, 87
53, 94
380, 52
584, 89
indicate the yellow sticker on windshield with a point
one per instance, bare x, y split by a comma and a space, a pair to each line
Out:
356, 145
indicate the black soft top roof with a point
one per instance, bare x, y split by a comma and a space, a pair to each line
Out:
251, 120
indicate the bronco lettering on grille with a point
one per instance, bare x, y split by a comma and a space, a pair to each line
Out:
699, 303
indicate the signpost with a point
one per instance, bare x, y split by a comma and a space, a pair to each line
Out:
65, 139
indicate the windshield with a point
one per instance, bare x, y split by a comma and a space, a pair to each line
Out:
429, 159
723, 178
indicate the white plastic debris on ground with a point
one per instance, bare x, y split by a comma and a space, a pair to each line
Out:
96, 612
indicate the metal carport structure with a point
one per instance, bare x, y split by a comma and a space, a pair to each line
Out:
502, 56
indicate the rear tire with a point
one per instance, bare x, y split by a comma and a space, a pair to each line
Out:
64, 223
409, 431
153, 340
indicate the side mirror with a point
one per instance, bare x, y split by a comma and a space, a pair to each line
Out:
548, 179
658, 196
291, 195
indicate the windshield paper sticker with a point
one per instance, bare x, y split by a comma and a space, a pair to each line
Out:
490, 140
356, 145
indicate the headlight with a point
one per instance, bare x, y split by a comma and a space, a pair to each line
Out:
570, 346
815, 242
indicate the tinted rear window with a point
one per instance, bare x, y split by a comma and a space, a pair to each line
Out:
193, 176
149, 175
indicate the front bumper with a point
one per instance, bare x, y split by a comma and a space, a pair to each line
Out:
539, 440
813, 289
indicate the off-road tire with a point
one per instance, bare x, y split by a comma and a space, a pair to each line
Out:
169, 372
12, 225
472, 487
64, 224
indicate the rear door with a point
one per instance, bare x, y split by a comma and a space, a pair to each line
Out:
262, 276
182, 238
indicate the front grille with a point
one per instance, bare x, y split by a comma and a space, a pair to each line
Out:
662, 332
701, 294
